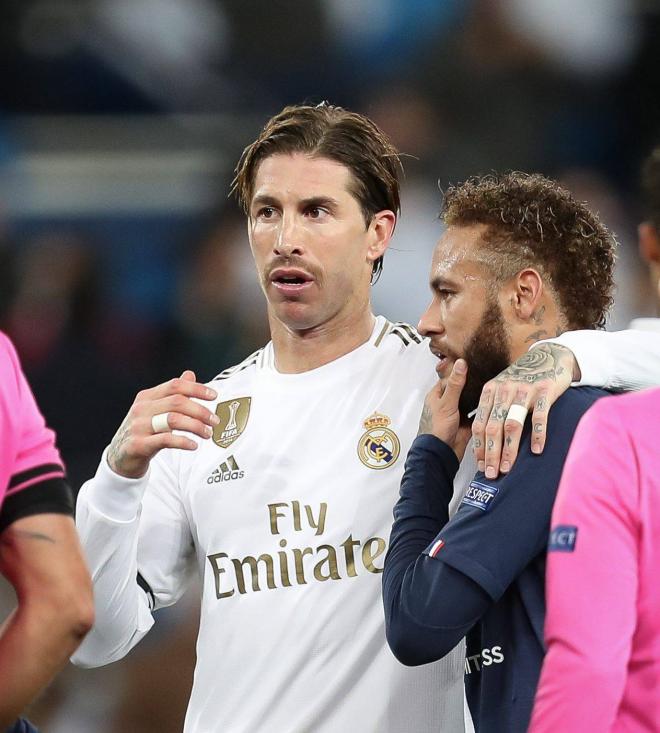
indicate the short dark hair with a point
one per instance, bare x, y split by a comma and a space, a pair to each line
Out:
533, 221
651, 188
330, 132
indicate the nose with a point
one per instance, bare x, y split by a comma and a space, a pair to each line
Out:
431, 322
289, 238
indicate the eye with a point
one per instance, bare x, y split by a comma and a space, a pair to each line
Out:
266, 212
444, 293
316, 212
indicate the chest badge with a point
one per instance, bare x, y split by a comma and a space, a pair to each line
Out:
233, 416
379, 447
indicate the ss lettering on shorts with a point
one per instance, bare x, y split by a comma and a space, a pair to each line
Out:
480, 495
563, 538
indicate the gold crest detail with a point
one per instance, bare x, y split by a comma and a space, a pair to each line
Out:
379, 447
233, 416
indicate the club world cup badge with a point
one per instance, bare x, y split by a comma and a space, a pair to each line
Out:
379, 447
233, 416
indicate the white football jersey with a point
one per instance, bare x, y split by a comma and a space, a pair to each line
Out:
287, 512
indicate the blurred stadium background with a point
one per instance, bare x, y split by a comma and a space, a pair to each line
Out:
122, 261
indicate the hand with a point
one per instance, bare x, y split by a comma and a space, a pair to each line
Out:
534, 381
440, 415
136, 443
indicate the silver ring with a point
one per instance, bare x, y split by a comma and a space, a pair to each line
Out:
159, 423
517, 413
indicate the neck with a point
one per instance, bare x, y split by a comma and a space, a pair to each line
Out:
545, 323
299, 351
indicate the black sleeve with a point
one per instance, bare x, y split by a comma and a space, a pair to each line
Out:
429, 607
52, 496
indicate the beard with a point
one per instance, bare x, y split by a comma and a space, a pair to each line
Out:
487, 354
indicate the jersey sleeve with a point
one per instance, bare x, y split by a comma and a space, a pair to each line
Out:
591, 580
31, 471
428, 607
619, 360
138, 545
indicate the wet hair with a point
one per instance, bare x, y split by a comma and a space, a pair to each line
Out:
326, 131
651, 188
533, 222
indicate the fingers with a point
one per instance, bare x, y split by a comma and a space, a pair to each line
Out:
540, 421
479, 424
137, 441
513, 430
454, 386
184, 385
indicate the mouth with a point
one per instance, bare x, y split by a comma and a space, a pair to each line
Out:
444, 361
290, 281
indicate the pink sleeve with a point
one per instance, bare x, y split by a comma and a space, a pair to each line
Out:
591, 580
27, 447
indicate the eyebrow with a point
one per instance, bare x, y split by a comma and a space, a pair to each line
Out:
268, 200
439, 282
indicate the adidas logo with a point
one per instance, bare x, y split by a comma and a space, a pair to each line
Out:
227, 471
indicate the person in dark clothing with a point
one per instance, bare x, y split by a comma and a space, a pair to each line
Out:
520, 260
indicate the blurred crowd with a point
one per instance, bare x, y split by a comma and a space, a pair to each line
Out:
101, 303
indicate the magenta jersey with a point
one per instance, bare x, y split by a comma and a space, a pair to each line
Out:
602, 667
31, 471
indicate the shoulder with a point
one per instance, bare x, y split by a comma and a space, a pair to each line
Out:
248, 365
572, 405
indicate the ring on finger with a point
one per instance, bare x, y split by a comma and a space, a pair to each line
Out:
517, 413
160, 424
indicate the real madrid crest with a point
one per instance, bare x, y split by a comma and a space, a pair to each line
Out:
379, 447
233, 416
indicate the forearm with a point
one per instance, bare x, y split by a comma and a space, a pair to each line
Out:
41, 557
620, 360
122, 611
428, 605
35, 643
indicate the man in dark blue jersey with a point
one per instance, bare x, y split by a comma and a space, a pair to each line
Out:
520, 260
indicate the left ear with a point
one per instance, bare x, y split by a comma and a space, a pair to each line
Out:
381, 229
527, 293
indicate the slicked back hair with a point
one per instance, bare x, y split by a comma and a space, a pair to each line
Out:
326, 131
651, 188
533, 222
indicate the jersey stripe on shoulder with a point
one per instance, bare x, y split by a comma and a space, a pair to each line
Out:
412, 332
251, 360
407, 334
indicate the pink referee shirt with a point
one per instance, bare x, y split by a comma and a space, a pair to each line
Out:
602, 668
28, 455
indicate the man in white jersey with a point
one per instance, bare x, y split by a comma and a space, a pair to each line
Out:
280, 479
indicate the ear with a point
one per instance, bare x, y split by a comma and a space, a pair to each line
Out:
381, 229
526, 293
649, 242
